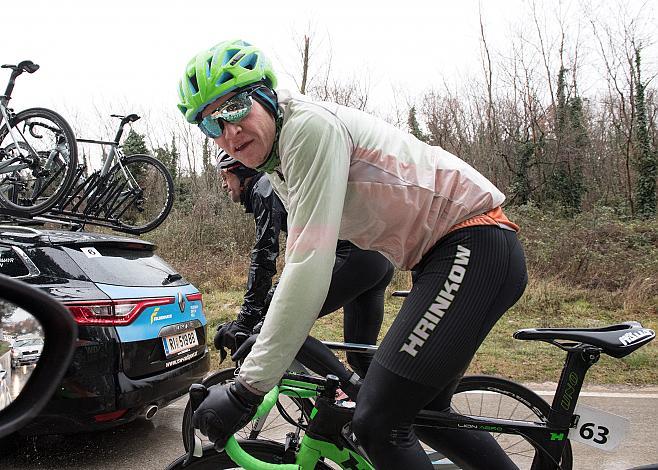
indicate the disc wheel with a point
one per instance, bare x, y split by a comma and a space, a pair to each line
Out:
493, 397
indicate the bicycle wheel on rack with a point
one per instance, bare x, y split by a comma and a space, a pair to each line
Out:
142, 193
493, 397
38, 161
267, 451
273, 426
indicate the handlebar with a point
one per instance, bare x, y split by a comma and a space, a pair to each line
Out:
240, 456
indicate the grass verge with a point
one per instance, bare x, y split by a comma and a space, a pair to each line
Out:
544, 304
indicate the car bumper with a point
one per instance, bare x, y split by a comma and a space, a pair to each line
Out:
78, 413
23, 361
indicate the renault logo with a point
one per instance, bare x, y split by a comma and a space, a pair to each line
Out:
181, 302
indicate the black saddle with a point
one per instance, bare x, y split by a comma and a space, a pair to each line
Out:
616, 340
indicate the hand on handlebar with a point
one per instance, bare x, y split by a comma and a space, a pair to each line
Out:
230, 336
224, 410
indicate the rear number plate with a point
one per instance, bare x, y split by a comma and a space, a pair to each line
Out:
598, 428
180, 342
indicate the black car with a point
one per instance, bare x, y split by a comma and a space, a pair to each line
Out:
141, 327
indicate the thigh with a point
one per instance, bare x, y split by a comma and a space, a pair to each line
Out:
462, 286
355, 272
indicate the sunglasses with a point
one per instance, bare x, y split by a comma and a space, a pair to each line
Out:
233, 110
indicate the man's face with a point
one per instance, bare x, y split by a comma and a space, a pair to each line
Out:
249, 140
231, 184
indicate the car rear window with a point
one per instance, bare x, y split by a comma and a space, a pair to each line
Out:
124, 267
11, 264
31, 342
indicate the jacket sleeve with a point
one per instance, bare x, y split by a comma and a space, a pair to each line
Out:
263, 255
315, 149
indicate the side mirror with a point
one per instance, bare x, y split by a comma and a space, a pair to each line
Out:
59, 332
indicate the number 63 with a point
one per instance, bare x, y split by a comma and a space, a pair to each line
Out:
587, 431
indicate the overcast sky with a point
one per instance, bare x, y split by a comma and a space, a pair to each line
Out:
124, 56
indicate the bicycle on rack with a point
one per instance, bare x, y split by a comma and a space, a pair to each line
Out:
130, 193
533, 433
38, 154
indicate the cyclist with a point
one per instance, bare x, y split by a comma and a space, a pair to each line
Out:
345, 174
359, 277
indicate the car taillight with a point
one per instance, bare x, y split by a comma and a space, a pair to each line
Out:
112, 312
195, 297
113, 415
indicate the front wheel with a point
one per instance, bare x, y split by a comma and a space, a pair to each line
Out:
267, 451
38, 161
493, 397
141, 193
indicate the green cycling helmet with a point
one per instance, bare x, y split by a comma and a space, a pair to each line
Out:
228, 66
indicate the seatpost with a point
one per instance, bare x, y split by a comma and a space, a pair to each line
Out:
10, 86
117, 139
578, 361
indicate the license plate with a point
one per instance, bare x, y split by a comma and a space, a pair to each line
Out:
179, 342
598, 428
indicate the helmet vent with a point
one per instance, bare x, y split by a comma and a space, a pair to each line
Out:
223, 78
236, 58
249, 61
194, 86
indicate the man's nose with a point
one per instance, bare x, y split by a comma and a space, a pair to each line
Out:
231, 129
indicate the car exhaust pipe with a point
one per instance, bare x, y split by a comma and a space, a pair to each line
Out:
149, 411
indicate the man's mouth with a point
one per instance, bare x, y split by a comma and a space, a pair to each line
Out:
241, 147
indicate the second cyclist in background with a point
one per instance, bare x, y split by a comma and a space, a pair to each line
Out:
358, 282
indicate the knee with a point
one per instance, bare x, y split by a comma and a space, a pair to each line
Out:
369, 427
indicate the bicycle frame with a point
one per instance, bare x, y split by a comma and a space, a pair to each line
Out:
94, 192
115, 150
548, 437
4, 111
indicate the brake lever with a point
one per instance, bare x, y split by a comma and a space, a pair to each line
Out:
198, 393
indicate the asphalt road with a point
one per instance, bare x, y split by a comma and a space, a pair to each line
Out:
146, 445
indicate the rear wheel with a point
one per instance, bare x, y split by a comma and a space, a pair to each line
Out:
493, 397
36, 170
273, 426
141, 193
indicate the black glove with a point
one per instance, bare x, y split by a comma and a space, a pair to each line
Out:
230, 335
225, 410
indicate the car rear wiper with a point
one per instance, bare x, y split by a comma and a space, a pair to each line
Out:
171, 278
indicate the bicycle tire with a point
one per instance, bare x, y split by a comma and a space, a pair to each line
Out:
494, 397
144, 209
299, 407
267, 451
50, 184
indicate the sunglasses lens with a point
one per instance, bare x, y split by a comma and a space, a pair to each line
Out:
211, 127
235, 109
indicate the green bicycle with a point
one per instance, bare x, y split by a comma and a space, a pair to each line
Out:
481, 403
